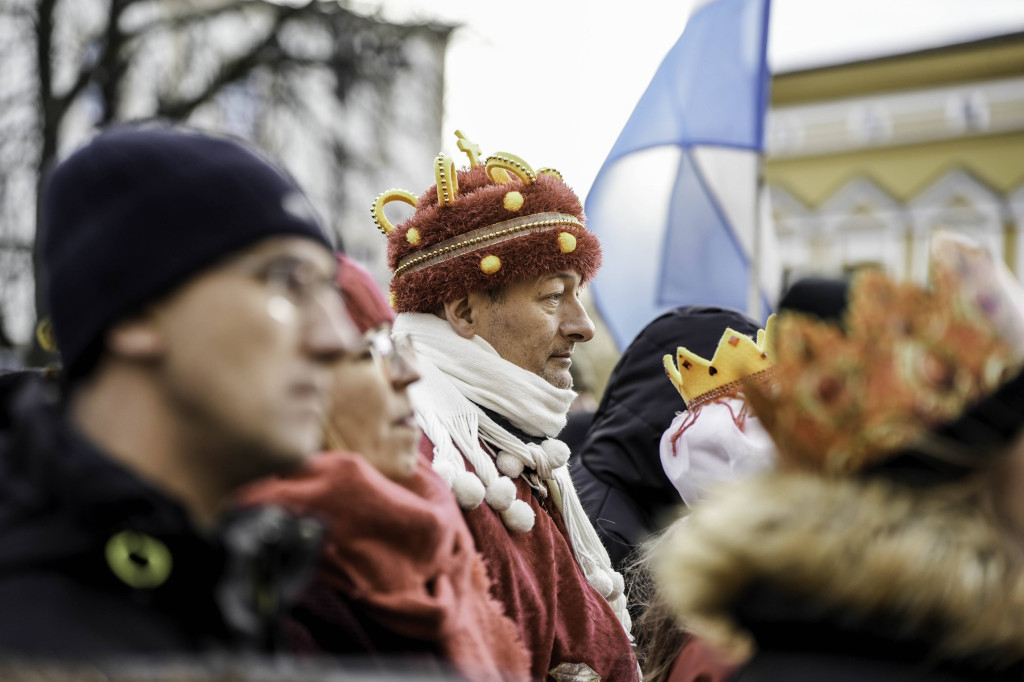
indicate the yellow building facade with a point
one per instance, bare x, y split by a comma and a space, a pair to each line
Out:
865, 160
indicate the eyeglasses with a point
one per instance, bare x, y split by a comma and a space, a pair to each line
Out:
300, 283
395, 356
299, 289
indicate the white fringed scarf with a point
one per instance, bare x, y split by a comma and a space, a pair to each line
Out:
458, 376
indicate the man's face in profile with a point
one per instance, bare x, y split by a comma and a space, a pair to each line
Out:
536, 323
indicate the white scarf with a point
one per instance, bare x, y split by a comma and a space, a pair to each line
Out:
460, 375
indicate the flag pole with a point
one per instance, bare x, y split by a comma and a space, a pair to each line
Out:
754, 298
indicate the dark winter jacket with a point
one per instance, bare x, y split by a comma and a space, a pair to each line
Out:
95, 562
618, 473
798, 639
847, 579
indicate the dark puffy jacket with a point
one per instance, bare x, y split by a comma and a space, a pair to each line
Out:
618, 472
801, 640
95, 562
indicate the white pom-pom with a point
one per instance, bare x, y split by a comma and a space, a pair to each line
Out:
501, 493
468, 489
557, 452
601, 581
445, 470
509, 464
537, 452
618, 586
519, 517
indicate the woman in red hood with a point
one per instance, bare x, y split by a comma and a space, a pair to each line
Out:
399, 573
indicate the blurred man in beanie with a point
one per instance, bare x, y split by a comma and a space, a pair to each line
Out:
487, 277
191, 294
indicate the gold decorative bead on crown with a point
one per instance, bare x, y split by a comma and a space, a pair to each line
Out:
513, 201
490, 264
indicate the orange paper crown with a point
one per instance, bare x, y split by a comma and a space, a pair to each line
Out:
910, 358
737, 359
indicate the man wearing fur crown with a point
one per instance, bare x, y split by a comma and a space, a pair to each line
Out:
487, 277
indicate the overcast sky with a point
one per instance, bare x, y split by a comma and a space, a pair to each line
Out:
554, 81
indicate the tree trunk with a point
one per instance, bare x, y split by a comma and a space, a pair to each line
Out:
48, 130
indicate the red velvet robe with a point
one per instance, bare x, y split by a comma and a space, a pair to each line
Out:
561, 618
698, 662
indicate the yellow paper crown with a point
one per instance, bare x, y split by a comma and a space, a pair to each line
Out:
908, 359
738, 359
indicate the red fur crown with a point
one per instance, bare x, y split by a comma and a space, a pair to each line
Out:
481, 228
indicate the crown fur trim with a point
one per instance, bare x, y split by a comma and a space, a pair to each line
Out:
482, 228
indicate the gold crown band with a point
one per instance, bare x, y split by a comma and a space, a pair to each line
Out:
490, 235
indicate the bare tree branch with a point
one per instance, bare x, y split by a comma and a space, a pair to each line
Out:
86, 72
142, 50
265, 52
44, 66
185, 19
48, 131
112, 62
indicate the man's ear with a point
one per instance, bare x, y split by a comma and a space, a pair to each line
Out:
461, 315
136, 338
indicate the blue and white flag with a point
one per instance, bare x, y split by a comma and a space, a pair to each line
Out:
675, 202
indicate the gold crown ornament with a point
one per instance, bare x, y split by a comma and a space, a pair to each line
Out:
737, 361
907, 359
482, 227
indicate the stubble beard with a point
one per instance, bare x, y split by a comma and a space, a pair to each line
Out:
556, 378
502, 331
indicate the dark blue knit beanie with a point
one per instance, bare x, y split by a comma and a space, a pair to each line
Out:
138, 211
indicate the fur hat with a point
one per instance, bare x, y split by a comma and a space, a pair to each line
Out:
481, 228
